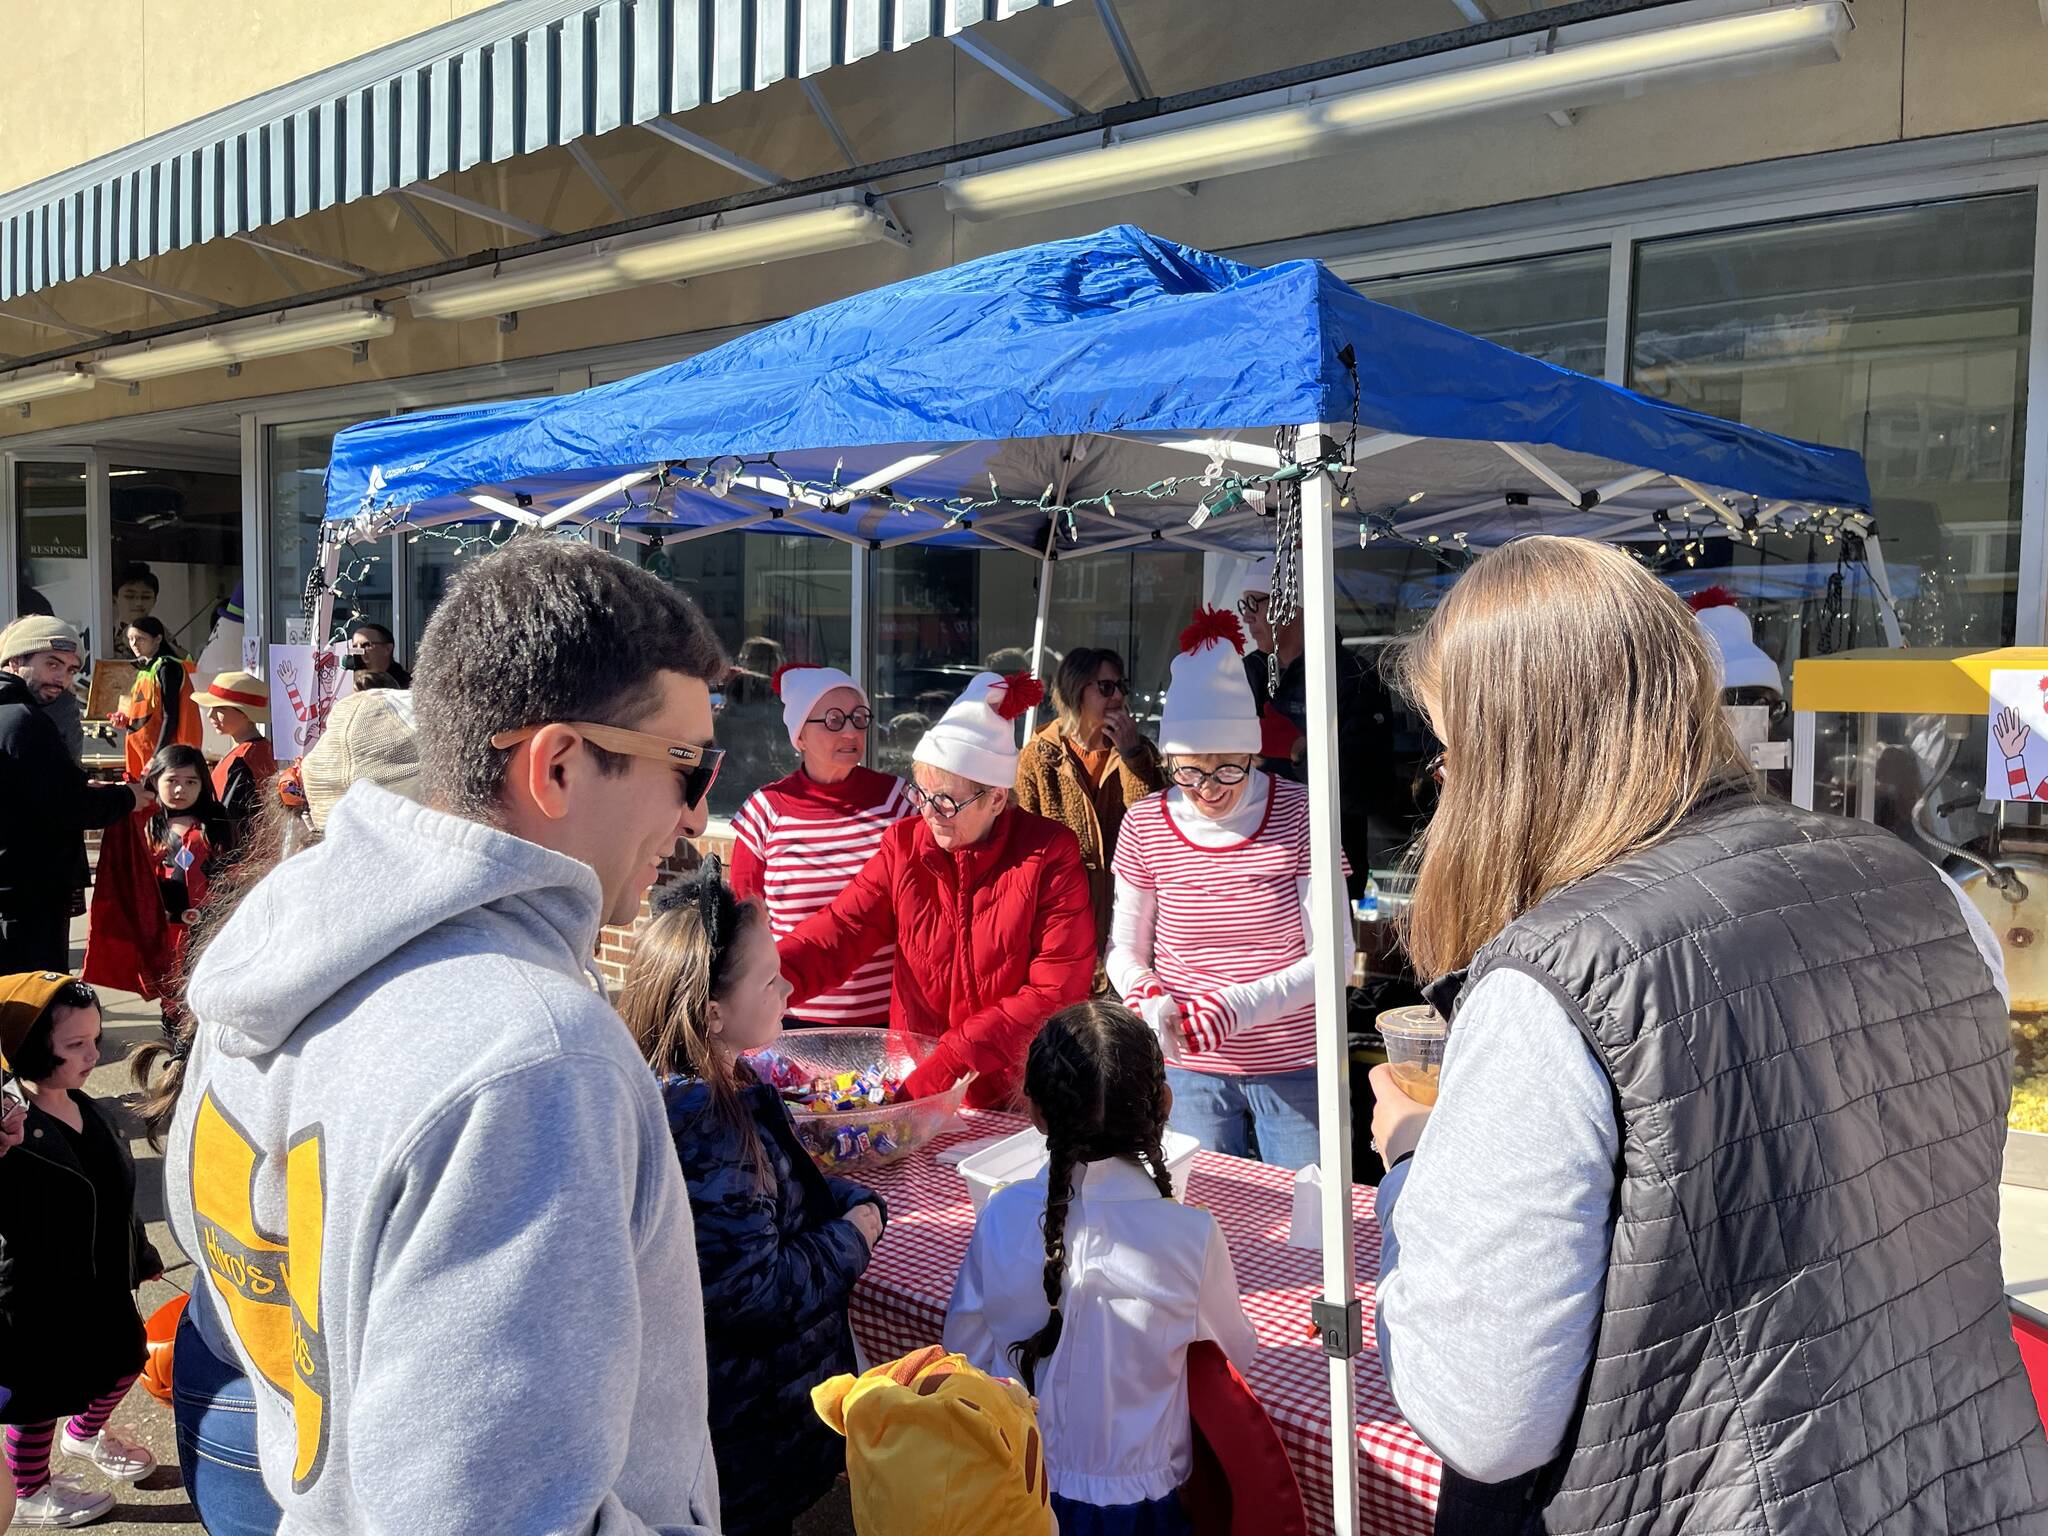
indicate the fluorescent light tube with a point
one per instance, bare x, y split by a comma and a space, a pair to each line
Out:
736, 243
246, 342
1575, 74
64, 379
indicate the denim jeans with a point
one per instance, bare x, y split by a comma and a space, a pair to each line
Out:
1270, 1116
215, 1408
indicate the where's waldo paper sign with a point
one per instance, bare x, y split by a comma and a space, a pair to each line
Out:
304, 683
2016, 755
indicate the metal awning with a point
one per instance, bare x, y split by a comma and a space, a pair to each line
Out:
510, 80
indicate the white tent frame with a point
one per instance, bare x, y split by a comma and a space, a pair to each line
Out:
1338, 1313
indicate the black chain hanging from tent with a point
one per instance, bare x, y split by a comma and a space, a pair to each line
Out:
1284, 601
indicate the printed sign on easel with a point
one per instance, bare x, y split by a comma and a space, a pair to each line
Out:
2016, 752
304, 684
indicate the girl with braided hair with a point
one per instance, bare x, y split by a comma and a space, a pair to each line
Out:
1090, 1281
779, 1245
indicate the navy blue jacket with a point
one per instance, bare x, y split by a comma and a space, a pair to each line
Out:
778, 1265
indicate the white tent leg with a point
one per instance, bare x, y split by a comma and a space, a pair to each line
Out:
1045, 562
1803, 734
323, 613
1887, 611
1338, 1316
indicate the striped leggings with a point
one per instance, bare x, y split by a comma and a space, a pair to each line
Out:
29, 1445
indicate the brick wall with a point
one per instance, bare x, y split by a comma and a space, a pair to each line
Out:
615, 945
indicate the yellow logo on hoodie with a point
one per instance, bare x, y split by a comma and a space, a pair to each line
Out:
276, 1317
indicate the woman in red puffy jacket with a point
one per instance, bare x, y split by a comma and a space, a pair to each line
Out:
986, 904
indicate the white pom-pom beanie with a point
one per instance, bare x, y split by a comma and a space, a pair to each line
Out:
1209, 704
977, 736
800, 687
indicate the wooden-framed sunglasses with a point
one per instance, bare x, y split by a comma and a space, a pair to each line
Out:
696, 766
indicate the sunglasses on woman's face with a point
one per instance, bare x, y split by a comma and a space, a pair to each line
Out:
697, 767
1115, 688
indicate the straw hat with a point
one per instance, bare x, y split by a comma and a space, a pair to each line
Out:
237, 690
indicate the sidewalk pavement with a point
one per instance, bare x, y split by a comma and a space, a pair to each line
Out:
158, 1507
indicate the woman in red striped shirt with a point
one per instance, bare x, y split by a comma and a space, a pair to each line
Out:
1210, 937
799, 841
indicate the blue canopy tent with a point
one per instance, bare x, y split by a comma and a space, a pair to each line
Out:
1111, 392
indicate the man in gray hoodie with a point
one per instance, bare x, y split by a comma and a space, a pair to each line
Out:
421, 1165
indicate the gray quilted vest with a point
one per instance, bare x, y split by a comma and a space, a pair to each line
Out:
1804, 1328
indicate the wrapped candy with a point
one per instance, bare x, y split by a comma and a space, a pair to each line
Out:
808, 1094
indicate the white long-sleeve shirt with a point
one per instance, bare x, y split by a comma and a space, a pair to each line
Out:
1145, 1278
1228, 1012
1495, 1235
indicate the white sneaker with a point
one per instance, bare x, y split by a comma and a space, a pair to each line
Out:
63, 1502
117, 1458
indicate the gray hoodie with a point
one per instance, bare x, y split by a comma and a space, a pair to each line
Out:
430, 1187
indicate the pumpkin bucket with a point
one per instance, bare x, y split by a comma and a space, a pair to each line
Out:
160, 1333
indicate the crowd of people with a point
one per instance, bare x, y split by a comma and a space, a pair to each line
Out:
1700, 1233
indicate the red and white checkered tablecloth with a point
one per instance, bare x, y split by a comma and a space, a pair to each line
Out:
900, 1305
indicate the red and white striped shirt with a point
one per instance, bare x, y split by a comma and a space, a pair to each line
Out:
1226, 916
796, 845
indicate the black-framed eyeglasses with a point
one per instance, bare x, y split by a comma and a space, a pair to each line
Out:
839, 719
1187, 776
1254, 604
945, 807
1114, 688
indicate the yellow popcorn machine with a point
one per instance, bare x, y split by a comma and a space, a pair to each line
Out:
1936, 746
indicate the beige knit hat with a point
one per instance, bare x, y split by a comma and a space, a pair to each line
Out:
368, 736
35, 634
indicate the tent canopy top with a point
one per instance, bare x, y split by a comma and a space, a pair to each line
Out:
1113, 385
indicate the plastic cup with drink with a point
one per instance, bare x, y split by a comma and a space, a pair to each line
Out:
1415, 1049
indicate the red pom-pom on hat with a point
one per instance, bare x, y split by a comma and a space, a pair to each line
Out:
1021, 691
785, 669
1711, 597
1209, 625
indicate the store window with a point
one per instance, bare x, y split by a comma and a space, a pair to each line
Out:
298, 500
773, 599
1901, 333
175, 551
1551, 307
50, 531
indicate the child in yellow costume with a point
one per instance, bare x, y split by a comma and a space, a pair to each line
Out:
936, 1448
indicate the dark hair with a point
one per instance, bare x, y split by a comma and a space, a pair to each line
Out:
1076, 671
153, 626
1096, 1077
544, 630
682, 964
362, 625
213, 816
365, 681
134, 571
36, 1060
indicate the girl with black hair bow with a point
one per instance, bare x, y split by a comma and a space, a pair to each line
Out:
1090, 1281
779, 1245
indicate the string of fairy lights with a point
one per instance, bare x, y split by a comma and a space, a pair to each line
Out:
647, 502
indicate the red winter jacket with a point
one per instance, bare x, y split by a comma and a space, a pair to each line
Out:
990, 943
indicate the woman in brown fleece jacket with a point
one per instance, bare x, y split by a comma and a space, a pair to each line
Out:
1084, 768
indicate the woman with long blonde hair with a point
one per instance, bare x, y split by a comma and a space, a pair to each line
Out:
1701, 1232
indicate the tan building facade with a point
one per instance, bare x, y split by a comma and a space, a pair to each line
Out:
1844, 250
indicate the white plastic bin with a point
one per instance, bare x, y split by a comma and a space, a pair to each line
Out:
1017, 1158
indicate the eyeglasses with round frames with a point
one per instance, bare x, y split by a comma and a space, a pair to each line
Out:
838, 719
945, 807
1187, 776
696, 766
